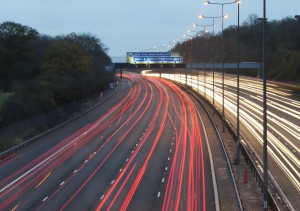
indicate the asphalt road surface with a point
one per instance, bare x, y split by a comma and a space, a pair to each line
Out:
283, 121
142, 149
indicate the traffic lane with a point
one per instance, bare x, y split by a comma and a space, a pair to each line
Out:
107, 167
78, 144
63, 173
141, 158
149, 194
251, 117
32, 182
189, 193
210, 202
63, 145
50, 140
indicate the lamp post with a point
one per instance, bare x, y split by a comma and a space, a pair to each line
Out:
213, 67
191, 40
204, 31
223, 93
238, 90
185, 41
265, 126
197, 58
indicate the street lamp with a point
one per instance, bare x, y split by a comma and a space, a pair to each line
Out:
213, 67
185, 41
265, 125
196, 57
223, 95
191, 52
191, 38
204, 72
238, 90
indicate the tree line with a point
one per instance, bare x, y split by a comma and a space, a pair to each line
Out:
282, 46
42, 72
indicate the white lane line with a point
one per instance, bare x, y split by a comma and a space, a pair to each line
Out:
158, 194
213, 173
112, 182
166, 168
45, 199
102, 197
75, 171
38, 165
62, 183
163, 179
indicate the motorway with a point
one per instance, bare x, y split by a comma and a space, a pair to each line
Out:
142, 149
283, 121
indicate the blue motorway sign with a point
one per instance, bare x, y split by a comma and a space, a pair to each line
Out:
150, 54
174, 59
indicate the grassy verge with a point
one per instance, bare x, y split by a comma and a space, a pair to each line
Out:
3, 98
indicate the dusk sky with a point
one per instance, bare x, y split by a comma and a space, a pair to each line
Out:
133, 25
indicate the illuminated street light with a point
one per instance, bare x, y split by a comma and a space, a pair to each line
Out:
213, 67
223, 92
204, 72
265, 125
191, 38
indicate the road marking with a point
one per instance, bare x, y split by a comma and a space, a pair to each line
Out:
127, 160
15, 208
75, 171
62, 183
166, 168
45, 198
102, 197
112, 182
168, 158
120, 170
43, 180
163, 179
85, 161
158, 194
213, 173
38, 165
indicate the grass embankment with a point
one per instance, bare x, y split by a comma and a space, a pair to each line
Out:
3, 98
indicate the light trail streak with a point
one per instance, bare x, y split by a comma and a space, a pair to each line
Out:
43, 180
283, 116
185, 184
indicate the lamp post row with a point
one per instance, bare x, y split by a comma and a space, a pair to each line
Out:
265, 138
